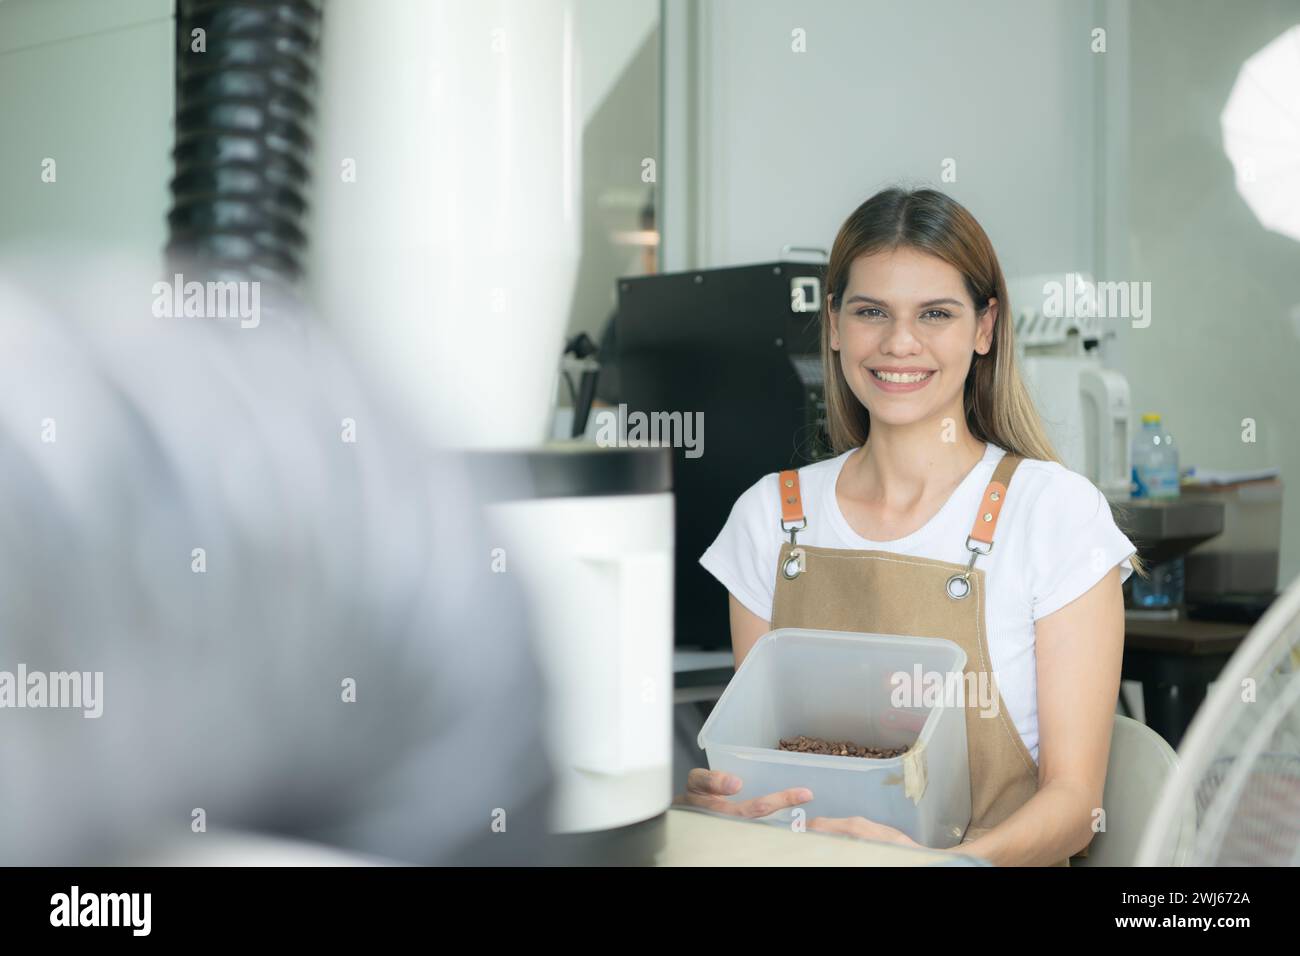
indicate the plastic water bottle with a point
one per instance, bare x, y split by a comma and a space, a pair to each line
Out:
1155, 476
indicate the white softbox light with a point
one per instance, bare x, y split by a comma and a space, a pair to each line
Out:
1261, 133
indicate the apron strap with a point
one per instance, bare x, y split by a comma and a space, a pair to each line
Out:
792, 516
791, 502
995, 496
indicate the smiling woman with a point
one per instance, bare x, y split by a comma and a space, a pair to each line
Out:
930, 422
905, 242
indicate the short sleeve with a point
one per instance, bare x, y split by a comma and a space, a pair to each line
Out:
1073, 542
744, 554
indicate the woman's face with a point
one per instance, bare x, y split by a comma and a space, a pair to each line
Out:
907, 314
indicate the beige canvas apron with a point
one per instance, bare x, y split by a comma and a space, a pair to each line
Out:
880, 592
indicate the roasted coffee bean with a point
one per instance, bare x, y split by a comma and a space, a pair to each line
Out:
841, 748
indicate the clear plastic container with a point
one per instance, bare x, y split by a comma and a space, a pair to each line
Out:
841, 685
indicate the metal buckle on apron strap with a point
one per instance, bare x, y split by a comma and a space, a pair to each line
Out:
959, 584
795, 564
792, 529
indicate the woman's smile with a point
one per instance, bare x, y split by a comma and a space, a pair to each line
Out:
912, 379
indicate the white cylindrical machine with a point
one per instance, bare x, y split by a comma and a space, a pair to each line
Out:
445, 241
445, 208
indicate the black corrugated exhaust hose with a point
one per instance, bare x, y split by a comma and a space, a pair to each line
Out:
244, 108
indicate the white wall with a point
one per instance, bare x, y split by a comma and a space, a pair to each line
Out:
1224, 340
609, 34
1072, 160
89, 84
785, 144
618, 89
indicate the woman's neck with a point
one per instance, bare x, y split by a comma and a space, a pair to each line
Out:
902, 468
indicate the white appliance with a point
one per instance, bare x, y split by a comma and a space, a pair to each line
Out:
598, 570
1085, 407
446, 238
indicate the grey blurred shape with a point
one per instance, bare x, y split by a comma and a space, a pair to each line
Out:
325, 560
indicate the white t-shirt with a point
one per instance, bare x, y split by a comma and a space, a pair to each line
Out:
1055, 539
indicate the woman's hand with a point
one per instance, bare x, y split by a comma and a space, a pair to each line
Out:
862, 828
709, 789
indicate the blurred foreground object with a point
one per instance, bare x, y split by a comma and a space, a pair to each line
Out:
290, 602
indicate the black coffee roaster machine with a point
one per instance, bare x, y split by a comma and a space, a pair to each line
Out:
742, 346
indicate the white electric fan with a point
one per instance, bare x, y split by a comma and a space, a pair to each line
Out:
1239, 764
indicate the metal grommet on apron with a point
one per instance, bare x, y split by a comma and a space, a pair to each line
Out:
795, 564
900, 595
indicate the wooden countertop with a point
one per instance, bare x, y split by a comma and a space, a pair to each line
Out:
1185, 636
